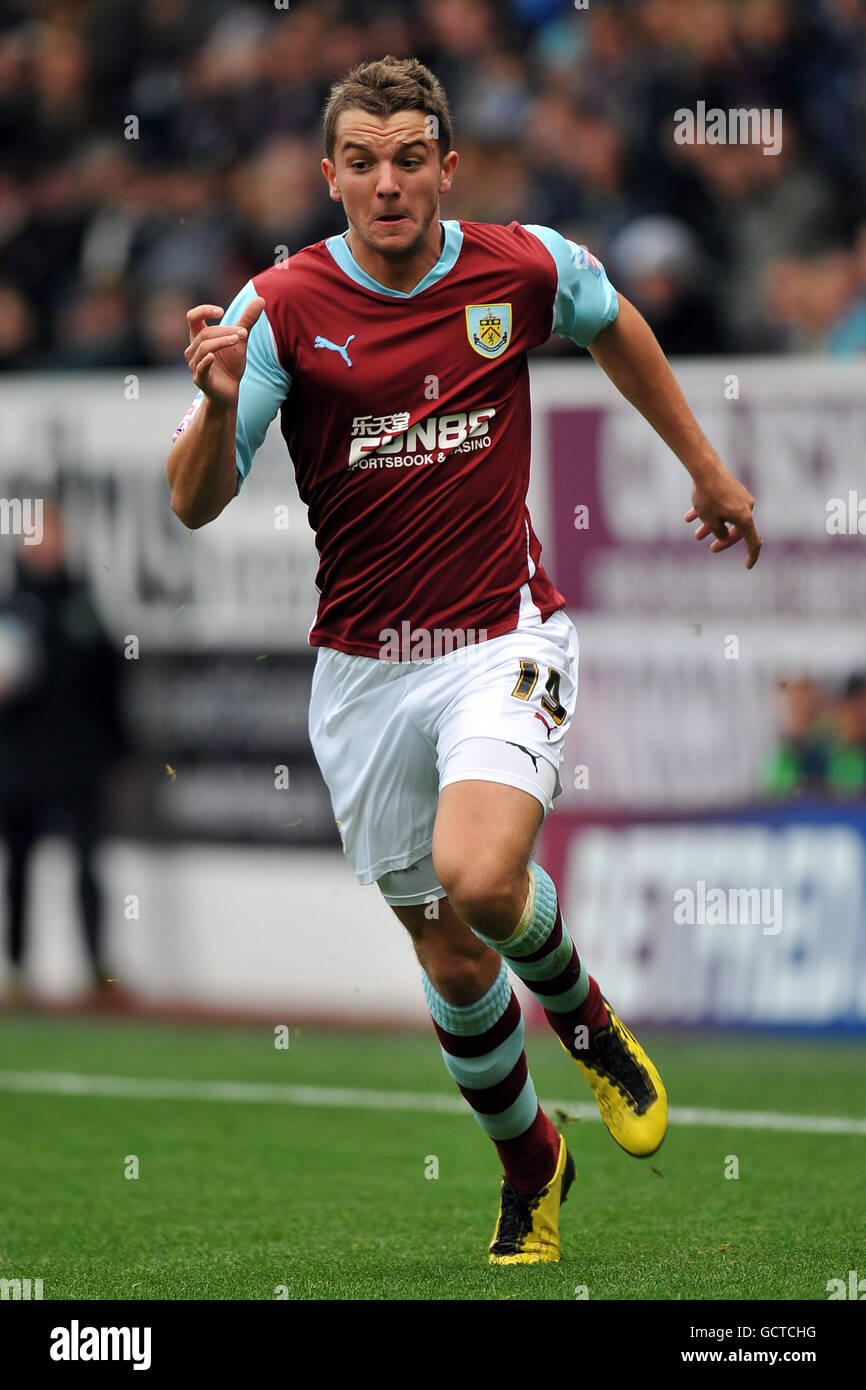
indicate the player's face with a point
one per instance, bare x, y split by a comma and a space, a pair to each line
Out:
388, 172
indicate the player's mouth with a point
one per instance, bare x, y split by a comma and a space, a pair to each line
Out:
391, 219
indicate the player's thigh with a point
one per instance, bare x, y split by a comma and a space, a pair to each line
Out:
379, 768
483, 838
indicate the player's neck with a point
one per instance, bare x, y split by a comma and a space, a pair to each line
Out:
396, 274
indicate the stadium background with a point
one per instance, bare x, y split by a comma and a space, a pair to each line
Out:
149, 161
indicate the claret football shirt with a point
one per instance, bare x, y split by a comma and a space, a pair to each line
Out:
407, 418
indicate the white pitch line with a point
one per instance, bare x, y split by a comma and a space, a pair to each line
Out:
263, 1093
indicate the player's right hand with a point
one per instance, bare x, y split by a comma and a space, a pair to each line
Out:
217, 354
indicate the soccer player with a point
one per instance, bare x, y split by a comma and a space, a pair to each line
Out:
446, 676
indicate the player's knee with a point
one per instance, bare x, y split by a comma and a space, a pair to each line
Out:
485, 894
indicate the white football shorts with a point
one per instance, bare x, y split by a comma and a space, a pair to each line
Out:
389, 735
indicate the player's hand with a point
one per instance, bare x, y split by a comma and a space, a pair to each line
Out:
722, 502
217, 355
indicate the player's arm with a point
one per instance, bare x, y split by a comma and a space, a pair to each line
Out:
201, 468
629, 352
242, 384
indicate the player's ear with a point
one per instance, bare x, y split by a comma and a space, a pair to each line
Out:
449, 164
330, 172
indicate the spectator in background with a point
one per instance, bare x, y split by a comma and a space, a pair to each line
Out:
783, 296
164, 332
579, 158
278, 198
823, 746
848, 333
763, 207
846, 757
18, 330
40, 243
817, 304
95, 330
60, 732
798, 766
805, 299
658, 263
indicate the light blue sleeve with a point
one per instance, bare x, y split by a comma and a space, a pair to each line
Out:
264, 384
586, 301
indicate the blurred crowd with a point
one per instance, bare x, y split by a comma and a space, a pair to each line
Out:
156, 153
822, 751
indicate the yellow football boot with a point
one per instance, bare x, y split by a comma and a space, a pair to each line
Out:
626, 1086
527, 1231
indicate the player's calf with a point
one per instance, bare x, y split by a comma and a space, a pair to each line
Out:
478, 1021
459, 964
626, 1085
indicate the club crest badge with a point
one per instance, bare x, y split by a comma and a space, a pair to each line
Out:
488, 328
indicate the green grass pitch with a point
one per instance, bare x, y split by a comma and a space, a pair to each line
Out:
237, 1200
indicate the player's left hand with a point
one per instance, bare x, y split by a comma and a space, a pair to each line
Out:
721, 503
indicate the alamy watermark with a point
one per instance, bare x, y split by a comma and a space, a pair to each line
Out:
77, 1343
22, 1289
22, 516
737, 126
854, 1288
846, 516
427, 644
720, 907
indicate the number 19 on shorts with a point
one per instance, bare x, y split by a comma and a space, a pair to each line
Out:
527, 681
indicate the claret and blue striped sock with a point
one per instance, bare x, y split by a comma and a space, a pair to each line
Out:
542, 954
482, 1044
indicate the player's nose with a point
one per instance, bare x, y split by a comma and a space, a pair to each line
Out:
386, 183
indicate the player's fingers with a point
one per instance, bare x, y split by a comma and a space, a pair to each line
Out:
200, 375
196, 364
211, 345
210, 336
251, 313
197, 317
202, 313
212, 342
731, 538
754, 543
748, 532
691, 515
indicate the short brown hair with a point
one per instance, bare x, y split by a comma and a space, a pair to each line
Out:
387, 85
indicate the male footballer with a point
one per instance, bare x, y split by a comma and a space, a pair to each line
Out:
396, 357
